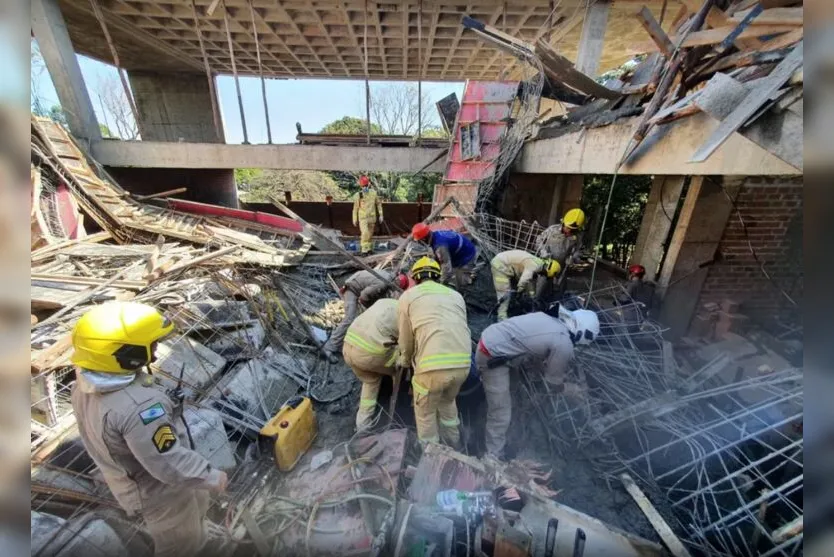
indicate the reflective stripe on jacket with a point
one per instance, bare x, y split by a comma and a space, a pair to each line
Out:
375, 330
367, 206
433, 333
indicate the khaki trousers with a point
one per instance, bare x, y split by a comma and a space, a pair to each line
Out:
503, 284
369, 369
337, 337
496, 383
178, 528
366, 235
435, 409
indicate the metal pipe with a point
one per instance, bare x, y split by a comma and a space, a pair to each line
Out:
367, 85
260, 71
215, 111
234, 71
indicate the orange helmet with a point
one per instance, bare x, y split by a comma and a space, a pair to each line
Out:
420, 231
364, 181
638, 270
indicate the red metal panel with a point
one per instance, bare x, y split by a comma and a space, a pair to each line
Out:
489, 103
251, 216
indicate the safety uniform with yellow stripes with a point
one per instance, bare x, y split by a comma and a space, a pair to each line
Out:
434, 340
514, 265
370, 351
367, 207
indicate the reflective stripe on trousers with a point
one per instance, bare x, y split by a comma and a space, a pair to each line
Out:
435, 409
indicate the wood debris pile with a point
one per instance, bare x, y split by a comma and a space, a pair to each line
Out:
739, 61
250, 312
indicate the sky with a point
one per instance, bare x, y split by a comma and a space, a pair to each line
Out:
311, 102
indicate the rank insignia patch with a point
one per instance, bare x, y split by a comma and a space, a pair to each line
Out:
164, 438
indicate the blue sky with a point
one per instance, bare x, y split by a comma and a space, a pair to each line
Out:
312, 102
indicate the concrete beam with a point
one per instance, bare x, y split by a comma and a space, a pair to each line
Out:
52, 35
592, 39
667, 151
155, 154
657, 221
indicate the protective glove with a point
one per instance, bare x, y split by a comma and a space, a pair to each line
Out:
402, 362
355, 223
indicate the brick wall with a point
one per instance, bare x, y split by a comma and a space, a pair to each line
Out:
772, 211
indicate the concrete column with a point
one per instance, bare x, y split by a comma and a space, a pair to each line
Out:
693, 249
592, 38
53, 39
174, 107
657, 220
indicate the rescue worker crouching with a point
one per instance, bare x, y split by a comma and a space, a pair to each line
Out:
135, 432
455, 253
367, 208
543, 336
370, 350
517, 268
362, 288
434, 340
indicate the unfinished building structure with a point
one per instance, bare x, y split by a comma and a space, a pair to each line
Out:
712, 113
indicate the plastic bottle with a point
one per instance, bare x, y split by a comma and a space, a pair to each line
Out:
469, 504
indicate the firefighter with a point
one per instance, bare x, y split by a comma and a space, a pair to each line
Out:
455, 252
515, 271
370, 351
561, 242
135, 432
362, 288
434, 341
547, 337
367, 208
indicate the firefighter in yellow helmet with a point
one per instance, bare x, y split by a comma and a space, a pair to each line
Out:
561, 242
367, 207
135, 432
370, 351
434, 341
515, 271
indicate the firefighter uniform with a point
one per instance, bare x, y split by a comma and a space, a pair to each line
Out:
134, 432
514, 266
434, 340
367, 207
370, 351
139, 442
537, 335
363, 287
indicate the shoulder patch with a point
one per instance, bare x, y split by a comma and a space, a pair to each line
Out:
164, 438
152, 413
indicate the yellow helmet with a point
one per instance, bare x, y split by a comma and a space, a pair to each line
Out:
425, 268
551, 267
574, 219
118, 337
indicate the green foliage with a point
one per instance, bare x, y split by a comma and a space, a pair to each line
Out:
349, 125
256, 186
628, 202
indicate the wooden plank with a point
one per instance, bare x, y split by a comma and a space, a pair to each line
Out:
592, 38
780, 75
714, 36
672, 542
563, 71
774, 16
89, 281
717, 18
653, 28
199, 260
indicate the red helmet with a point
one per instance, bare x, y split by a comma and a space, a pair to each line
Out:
420, 231
402, 281
638, 270
364, 181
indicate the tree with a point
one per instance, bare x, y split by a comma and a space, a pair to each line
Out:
258, 186
396, 109
115, 107
349, 125
628, 202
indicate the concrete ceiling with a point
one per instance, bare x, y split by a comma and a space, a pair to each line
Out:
325, 38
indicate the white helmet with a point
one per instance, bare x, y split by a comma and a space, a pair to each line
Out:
583, 325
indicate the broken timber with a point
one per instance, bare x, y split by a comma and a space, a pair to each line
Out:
674, 544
